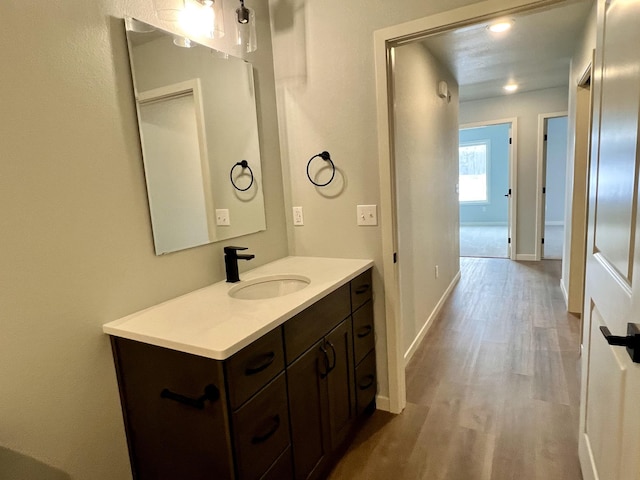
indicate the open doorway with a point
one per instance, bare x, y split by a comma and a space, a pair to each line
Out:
562, 30
553, 158
485, 158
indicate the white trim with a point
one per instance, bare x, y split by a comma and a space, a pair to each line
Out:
383, 403
539, 232
384, 40
425, 328
564, 294
526, 257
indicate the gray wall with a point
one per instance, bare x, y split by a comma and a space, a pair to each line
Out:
426, 144
556, 170
77, 249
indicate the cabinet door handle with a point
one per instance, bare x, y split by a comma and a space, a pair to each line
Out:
260, 363
275, 424
327, 363
362, 289
211, 393
366, 382
364, 331
335, 357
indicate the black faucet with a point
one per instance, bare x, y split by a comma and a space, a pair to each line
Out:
231, 257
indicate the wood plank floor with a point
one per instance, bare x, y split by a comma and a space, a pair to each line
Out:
493, 391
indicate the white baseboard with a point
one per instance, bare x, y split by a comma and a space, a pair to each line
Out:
383, 403
423, 331
526, 257
483, 224
564, 294
555, 223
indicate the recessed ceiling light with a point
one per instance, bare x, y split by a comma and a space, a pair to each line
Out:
500, 27
511, 87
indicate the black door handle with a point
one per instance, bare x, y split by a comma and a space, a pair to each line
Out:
211, 393
631, 341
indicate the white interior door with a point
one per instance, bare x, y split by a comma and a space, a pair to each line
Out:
610, 419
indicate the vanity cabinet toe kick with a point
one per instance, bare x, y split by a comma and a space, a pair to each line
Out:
284, 407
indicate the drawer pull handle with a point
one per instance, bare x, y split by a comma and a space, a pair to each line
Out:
260, 363
366, 382
211, 393
326, 361
335, 357
275, 424
362, 289
364, 331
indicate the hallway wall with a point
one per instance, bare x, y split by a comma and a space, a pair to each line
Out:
426, 143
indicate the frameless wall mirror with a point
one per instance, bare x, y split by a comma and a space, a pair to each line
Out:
199, 134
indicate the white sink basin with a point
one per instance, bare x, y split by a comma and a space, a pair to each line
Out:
270, 286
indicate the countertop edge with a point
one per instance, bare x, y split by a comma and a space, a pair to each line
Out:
112, 328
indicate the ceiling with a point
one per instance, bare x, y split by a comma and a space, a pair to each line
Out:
535, 53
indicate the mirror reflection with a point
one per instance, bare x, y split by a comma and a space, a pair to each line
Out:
199, 135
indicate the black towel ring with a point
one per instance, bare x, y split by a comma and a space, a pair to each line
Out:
244, 164
325, 156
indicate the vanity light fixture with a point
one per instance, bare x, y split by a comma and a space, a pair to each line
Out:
246, 29
510, 87
195, 17
501, 26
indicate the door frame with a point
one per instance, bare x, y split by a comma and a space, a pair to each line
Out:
541, 178
513, 175
384, 42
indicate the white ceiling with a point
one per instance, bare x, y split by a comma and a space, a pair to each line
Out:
535, 53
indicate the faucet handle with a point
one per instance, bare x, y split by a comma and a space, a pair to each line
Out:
232, 249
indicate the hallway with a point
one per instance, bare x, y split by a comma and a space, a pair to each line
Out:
493, 391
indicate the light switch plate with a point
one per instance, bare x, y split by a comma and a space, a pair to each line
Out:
222, 216
367, 214
298, 217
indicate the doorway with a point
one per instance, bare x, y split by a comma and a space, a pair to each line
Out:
552, 158
385, 43
486, 174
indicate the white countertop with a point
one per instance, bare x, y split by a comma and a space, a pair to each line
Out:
209, 323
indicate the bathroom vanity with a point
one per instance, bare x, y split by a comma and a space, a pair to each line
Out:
215, 386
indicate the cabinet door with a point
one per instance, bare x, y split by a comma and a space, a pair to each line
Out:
172, 429
307, 389
340, 382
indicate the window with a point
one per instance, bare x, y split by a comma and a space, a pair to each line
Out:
474, 172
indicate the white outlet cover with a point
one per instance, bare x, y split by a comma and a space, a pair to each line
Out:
367, 215
222, 217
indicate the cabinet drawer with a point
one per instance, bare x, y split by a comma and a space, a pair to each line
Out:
311, 324
262, 430
363, 333
282, 469
254, 366
366, 385
361, 289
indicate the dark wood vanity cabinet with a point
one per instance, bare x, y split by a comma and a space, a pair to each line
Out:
281, 408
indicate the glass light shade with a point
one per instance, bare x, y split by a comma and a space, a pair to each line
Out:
169, 10
246, 38
203, 18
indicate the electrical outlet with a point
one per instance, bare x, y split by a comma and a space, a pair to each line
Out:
298, 217
222, 217
437, 271
367, 214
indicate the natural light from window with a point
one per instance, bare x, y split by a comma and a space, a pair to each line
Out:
473, 173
